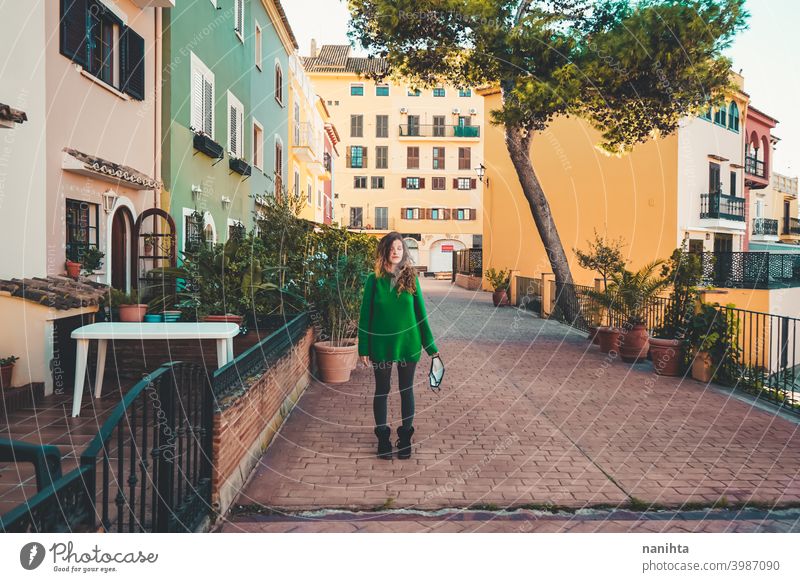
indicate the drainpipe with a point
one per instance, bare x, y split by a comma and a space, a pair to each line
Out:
157, 107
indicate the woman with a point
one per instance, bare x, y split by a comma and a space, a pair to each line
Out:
393, 327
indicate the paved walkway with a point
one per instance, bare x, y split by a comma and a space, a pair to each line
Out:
530, 415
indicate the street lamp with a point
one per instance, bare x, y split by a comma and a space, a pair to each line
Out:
481, 170
109, 201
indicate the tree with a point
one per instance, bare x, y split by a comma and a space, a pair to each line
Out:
632, 68
604, 257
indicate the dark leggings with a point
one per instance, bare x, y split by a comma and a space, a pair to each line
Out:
383, 382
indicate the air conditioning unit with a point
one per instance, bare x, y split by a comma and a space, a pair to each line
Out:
403, 110
473, 111
456, 111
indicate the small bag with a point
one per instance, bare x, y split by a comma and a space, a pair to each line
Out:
436, 373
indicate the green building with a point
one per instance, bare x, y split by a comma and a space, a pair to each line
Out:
225, 115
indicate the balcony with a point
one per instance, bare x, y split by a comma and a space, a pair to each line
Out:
306, 145
754, 167
412, 130
721, 207
751, 270
765, 229
791, 228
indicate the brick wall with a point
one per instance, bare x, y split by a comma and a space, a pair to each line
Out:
244, 429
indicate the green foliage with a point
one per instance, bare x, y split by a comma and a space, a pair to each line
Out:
684, 271
604, 256
7, 361
629, 293
632, 68
118, 297
499, 280
715, 331
92, 260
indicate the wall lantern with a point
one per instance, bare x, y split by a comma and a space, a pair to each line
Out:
109, 201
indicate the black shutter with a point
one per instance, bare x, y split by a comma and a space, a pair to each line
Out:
73, 31
131, 58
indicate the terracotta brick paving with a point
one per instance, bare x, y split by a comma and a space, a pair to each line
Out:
530, 413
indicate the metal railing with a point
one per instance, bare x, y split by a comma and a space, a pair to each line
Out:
468, 262
765, 226
791, 225
717, 205
529, 293
415, 130
751, 270
754, 166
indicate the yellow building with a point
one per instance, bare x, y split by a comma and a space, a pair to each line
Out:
409, 157
775, 220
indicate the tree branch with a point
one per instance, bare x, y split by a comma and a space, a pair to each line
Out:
523, 8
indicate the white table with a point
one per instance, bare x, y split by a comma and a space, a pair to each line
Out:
102, 332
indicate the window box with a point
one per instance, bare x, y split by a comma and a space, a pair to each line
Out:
239, 166
203, 143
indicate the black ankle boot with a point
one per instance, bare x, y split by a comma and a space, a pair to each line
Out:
404, 442
384, 434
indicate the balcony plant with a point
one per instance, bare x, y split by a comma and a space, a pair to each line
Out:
204, 143
500, 282
713, 343
684, 271
73, 262
7, 371
629, 293
239, 165
131, 310
92, 260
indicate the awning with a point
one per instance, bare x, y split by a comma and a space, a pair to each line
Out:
95, 167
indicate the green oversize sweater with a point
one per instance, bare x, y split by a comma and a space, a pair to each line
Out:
400, 326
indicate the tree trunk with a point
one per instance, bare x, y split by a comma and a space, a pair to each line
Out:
519, 149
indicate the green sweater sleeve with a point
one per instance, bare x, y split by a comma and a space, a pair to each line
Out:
422, 321
363, 320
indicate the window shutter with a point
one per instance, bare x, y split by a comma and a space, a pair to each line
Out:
402, 213
197, 101
473, 183
234, 135
472, 213
447, 214
208, 107
132, 66
364, 159
422, 183
403, 183
74, 31
455, 183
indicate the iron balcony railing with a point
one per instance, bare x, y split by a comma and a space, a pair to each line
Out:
791, 226
754, 166
751, 270
765, 226
718, 205
415, 130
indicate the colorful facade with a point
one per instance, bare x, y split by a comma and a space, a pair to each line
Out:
409, 157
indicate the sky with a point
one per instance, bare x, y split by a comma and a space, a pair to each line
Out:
766, 53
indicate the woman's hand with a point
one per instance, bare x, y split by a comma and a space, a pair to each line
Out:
364, 360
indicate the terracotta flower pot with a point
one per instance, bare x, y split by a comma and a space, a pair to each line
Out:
667, 356
634, 344
132, 313
73, 269
593, 335
608, 338
5, 376
227, 318
335, 363
702, 367
500, 297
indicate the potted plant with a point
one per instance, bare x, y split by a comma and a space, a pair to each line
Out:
73, 263
500, 282
684, 271
712, 342
92, 260
149, 243
594, 318
629, 293
131, 310
7, 370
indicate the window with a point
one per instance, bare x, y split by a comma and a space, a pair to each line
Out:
296, 185
438, 183
296, 124
382, 90
464, 158
202, 116
438, 158
278, 166
357, 157
259, 46
706, 114
721, 117
356, 126
733, 183
309, 193
381, 157
381, 126
357, 90
278, 83
236, 230
413, 125
438, 126
465, 92
193, 231
359, 182
258, 145
95, 38
381, 218
377, 182
414, 92
238, 18
356, 216
82, 221
439, 92
411, 214
464, 183
412, 158
714, 178
733, 117
459, 214
413, 183
434, 213
235, 127
465, 214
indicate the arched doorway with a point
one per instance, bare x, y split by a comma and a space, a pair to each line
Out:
441, 255
121, 244
413, 250
155, 243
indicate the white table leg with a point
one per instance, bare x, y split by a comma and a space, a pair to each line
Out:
229, 348
101, 367
222, 352
80, 374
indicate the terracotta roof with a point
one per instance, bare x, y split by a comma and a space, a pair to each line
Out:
335, 58
8, 113
57, 292
113, 169
285, 20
